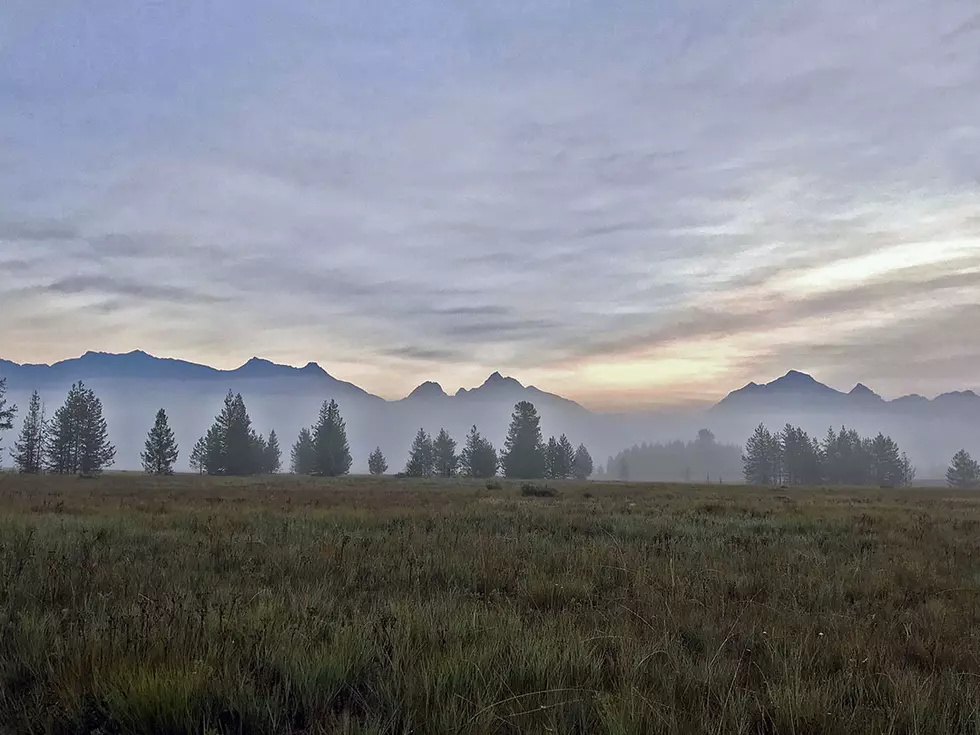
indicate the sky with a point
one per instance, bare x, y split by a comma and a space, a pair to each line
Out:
629, 202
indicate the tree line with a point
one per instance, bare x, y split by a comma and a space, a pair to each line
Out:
793, 457
76, 441
704, 458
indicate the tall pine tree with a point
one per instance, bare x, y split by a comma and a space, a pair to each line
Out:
303, 454
7, 413
198, 454
272, 458
28, 452
421, 457
331, 449
78, 439
160, 451
524, 450
231, 446
445, 459
582, 464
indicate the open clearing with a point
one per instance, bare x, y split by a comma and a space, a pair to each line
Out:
291, 605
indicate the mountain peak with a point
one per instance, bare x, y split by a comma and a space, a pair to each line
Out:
428, 389
862, 391
497, 379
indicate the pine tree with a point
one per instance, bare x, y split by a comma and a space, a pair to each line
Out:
964, 472
565, 459
445, 458
197, 458
524, 451
160, 452
273, 455
232, 446
7, 413
78, 440
550, 458
303, 454
332, 451
761, 461
377, 464
479, 457
421, 457
582, 463
908, 471
28, 453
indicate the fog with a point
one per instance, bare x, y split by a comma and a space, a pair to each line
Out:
133, 387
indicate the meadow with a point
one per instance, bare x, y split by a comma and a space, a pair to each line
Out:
299, 605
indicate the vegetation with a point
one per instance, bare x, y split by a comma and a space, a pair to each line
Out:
792, 457
330, 448
144, 604
78, 436
273, 455
582, 463
7, 413
964, 472
479, 457
703, 459
524, 451
422, 456
445, 459
303, 455
377, 464
28, 452
161, 450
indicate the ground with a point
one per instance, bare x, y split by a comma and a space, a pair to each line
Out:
288, 605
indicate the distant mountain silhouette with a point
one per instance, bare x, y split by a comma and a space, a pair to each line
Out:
796, 388
134, 385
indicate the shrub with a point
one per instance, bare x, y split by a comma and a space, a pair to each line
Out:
494, 485
530, 490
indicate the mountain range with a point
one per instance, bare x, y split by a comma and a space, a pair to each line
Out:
133, 385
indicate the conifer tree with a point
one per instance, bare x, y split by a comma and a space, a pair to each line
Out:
445, 459
231, 445
377, 464
421, 458
550, 457
582, 463
761, 461
524, 450
479, 457
78, 439
28, 452
197, 458
7, 413
331, 449
160, 451
303, 454
564, 459
272, 457
964, 472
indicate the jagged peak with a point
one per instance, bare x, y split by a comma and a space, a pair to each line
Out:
862, 391
426, 389
497, 379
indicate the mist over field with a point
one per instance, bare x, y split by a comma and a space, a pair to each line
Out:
132, 388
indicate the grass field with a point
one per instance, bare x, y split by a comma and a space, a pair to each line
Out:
314, 606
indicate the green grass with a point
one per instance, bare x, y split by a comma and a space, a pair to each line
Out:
293, 605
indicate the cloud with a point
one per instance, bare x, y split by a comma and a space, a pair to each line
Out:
521, 186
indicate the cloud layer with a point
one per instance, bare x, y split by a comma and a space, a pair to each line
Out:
628, 202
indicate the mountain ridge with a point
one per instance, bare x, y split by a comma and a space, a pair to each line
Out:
143, 365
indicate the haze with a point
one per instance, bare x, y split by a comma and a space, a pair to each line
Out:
627, 203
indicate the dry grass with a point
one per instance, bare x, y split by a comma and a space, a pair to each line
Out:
300, 606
